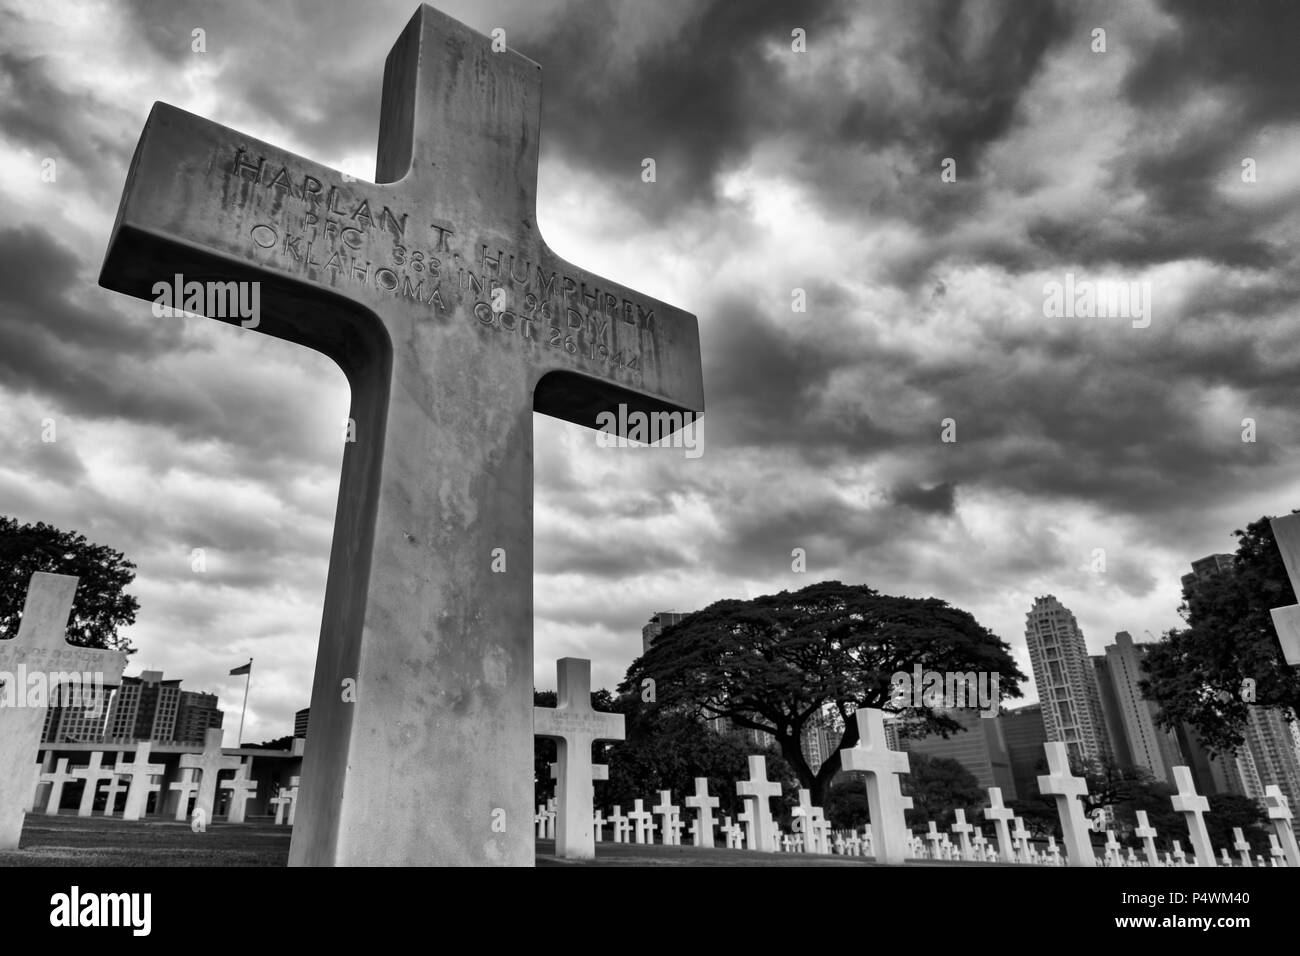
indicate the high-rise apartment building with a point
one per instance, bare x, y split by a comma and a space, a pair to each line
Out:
198, 712
150, 708
1137, 739
656, 626
1064, 675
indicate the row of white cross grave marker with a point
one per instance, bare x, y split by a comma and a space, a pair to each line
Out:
576, 827
139, 778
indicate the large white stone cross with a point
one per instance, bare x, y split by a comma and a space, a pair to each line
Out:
1001, 817
209, 764
1060, 783
1147, 834
429, 599
703, 805
1279, 814
882, 766
756, 792
39, 648
1193, 807
575, 727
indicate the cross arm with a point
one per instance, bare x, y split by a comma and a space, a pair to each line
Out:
631, 350
216, 206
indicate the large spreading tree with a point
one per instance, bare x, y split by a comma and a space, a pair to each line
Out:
101, 605
1198, 674
774, 662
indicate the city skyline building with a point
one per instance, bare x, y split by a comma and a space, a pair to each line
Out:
1065, 677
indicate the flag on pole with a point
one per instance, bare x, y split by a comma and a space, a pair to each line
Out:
246, 669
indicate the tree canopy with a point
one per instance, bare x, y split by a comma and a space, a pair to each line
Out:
101, 605
774, 662
1196, 674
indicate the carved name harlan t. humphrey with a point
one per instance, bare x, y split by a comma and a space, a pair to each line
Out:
452, 320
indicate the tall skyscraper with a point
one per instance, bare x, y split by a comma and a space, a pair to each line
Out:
656, 626
1064, 675
300, 720
1138, 741
144, 708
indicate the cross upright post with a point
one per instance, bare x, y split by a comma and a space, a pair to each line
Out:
453, 321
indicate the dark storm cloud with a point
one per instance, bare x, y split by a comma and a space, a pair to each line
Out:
973, 60
62, 339
1246, 56
939, 499
692, 100
36, 112
766, 383
311, 67
702, 97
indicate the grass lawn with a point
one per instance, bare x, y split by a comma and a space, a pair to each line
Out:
69, 840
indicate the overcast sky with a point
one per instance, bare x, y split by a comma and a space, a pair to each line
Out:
776, 170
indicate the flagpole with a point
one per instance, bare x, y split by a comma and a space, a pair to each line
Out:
248, 679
